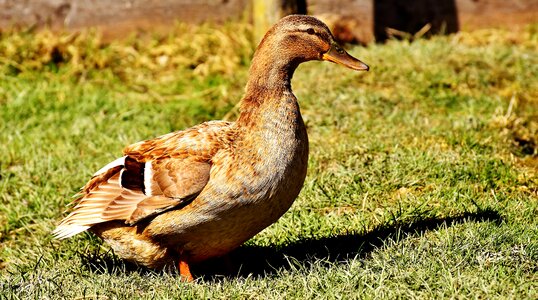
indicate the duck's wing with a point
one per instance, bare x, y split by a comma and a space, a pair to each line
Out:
153, 176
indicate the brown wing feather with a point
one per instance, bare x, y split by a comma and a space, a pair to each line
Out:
201, 140
179, 178
173, 182
108, 201
154, 205
155, 176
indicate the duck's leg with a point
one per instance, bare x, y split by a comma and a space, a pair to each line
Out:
228, 265
184, 270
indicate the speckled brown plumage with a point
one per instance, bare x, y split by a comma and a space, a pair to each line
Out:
199, 193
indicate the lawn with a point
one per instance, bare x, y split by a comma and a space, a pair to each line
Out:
422, 180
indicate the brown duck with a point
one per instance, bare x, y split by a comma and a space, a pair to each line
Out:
199, 193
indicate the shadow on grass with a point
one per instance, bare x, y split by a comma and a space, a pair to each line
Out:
259, 261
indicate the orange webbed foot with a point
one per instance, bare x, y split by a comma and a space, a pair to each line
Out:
185, 271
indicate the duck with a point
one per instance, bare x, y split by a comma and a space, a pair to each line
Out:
199, 193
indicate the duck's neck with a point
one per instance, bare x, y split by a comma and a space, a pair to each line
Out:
269, 73
269, 84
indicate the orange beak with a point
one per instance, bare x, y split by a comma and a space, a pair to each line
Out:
338, 55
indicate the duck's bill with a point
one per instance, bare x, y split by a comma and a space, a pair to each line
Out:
338, 55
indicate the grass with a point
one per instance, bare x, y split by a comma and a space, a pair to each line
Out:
422, 182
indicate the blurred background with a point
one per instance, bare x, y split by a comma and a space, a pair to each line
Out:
360, 21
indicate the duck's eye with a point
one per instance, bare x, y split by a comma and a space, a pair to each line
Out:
310, 31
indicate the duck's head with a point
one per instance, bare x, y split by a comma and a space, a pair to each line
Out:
299, 38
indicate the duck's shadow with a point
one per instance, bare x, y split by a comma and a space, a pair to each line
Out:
262, 260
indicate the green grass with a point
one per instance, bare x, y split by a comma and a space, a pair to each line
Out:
422, 181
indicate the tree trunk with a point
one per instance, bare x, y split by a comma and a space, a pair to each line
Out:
268, 12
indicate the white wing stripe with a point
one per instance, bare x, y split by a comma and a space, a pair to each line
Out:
148, 177
118, 162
